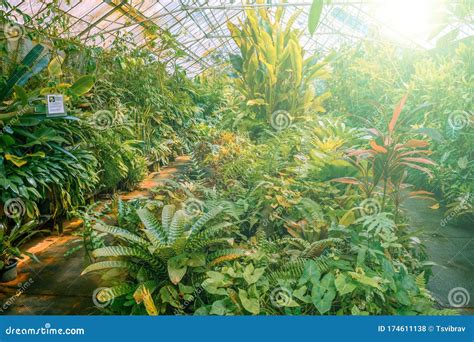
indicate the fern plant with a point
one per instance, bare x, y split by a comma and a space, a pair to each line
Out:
162, 255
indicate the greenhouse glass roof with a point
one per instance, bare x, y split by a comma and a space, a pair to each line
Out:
200, 29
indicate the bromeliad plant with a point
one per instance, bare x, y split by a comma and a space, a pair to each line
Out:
163, 260
11, 241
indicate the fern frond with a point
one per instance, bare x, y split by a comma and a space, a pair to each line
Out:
154, 237
217, 241
164, 253
151, 222
420, 281
197, 226
120, 233
199, 240
294, 269
297, 242
103, 265
290, 271
176, 227
118, 251
167, 215
316, 248
121, 212
226, 255
269, 247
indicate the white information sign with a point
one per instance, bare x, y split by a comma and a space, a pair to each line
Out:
55, 105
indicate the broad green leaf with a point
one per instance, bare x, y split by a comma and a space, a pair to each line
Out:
315, 15
348, 218
169, 295
196, 260
219, 307
301, 294
323, 293
252, 305
177, 268
366, 280
82, 85
21, 94
252, 275
403, 297
186, 289
344, 284
310, 273
54, 67
216, 276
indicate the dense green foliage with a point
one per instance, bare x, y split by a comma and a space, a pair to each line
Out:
293, 202
439, 85
313, 207
126, 114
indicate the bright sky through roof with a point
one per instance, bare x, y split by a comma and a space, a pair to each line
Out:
414, 19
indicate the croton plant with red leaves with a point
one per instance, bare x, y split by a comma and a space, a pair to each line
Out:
383, 165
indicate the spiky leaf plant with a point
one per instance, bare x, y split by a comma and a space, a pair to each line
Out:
162, 254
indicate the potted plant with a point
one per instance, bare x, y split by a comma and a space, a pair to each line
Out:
11, 241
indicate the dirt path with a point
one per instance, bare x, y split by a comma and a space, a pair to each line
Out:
451, 247
54, 286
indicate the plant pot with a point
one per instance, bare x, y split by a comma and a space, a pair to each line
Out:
9, 272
